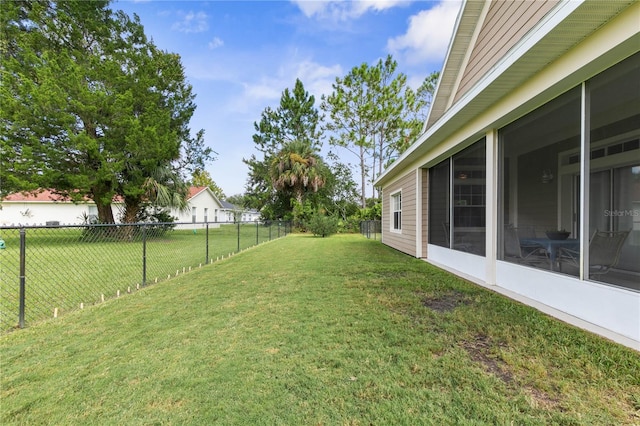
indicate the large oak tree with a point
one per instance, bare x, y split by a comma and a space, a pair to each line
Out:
91, 107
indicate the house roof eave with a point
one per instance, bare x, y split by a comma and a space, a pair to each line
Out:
467, 20
539, 48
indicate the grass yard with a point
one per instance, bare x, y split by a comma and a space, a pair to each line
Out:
63, 270
304, 330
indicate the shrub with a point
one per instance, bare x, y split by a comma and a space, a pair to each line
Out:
350, 225
322, 225
157, 223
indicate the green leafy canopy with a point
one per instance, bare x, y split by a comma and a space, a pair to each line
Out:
92, 108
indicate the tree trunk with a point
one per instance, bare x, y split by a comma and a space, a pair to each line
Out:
131, 208
130, 211
105, 213
363, 169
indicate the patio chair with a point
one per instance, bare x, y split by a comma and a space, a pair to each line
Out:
524, 232
458, 243
514, 251
604, 252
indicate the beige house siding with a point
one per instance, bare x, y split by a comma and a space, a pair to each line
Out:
425, 210
507, 21
570, 45
405, 240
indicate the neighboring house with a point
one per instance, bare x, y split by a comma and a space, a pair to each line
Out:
204, 206
230, 211
534, 126
47, 208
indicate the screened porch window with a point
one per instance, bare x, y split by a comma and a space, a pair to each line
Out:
457, 197
541, 205
536, 199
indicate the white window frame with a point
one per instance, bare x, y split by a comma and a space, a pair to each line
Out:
92, 216
396, 208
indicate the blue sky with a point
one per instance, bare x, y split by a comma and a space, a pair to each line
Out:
240, 55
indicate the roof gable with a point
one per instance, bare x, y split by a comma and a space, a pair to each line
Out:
485, 32
546, 44
490, 36
501, 25
463, 34
195, 190
202, 191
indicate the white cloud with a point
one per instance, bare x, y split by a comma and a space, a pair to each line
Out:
428, 34
339, 10
318, 79
261, 90
364, 6
267, 89
311, 8
215, 43
192, 23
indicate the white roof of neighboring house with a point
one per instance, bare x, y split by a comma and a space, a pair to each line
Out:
45, 196
49, 196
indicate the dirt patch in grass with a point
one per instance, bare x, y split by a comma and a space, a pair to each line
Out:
445, 302
540, 399
479, 350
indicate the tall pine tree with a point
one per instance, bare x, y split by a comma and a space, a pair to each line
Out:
291, 128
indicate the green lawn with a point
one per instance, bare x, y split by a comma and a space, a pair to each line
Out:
306, 330
64, 270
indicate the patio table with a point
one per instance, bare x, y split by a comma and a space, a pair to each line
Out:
552, 246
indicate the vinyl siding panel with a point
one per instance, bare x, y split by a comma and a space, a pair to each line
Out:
425, 210
506, 23
592, 38
405, 240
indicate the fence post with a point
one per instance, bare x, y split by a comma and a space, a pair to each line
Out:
144, 255
206, 254
238, 236
257, 233
23, 253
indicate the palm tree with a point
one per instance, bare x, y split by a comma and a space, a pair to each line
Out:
165, 188
297, 168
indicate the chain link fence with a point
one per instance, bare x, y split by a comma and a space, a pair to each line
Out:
46, 271
371, 229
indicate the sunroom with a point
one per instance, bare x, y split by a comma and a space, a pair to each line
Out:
542, 217
528, 181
